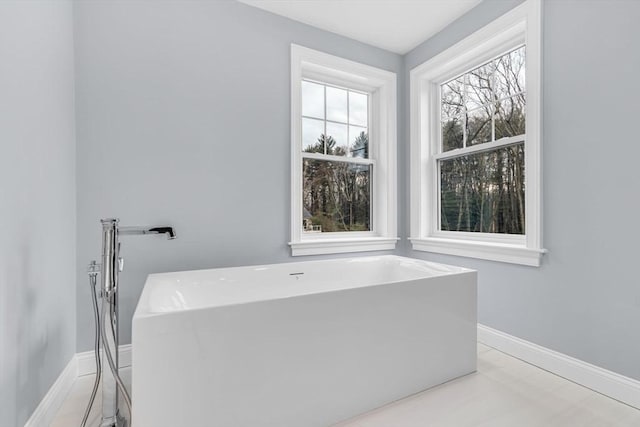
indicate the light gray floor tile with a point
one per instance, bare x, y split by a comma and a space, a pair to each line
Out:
504, 392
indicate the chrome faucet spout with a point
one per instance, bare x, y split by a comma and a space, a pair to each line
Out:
137, 231
169, 231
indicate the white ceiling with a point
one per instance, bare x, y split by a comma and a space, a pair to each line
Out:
395, 25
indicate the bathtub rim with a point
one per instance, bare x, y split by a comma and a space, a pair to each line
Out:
140, 312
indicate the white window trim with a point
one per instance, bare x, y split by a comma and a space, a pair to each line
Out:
311, 64
520, 25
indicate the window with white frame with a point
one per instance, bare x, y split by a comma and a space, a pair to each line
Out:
336, 192
343, 155
480, 155
475, 150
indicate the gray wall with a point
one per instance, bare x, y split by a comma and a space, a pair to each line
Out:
37, 208
585, 299
183, 118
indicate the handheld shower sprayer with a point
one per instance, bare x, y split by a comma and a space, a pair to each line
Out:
107, 319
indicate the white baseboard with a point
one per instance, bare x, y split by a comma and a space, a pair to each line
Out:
55, 397
79, 365
87, 361
616, 386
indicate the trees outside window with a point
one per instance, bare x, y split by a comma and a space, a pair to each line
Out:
337, 194
484, 191
336, 191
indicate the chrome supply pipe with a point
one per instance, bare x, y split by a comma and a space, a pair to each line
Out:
107, 320
110, 255
93, 270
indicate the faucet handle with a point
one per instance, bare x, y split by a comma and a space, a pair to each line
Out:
93, 268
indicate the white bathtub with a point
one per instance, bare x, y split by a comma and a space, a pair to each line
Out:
300, 344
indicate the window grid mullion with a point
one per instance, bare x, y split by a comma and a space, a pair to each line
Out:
343, 159
333, 121
324, 135
348, 125
492, 82
475, 149
465, 80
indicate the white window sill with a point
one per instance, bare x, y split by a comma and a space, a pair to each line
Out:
503, 252
336, 246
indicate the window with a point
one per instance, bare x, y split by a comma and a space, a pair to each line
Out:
475, 143
343, 155
480, 157
336, 168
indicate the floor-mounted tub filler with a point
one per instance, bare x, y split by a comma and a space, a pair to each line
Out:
106, 322
300, 344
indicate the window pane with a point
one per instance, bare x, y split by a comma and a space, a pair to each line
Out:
337, 141
358, 109
312, 100
341, 134
358, 142
479, 87
510, 117
518, 59
451, 96
312, 136
452, 134
336, 104
484, 192
478, 126
336, 196
510, 73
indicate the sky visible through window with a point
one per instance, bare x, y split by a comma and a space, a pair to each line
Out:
337, 113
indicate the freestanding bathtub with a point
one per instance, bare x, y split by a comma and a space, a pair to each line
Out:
300, 344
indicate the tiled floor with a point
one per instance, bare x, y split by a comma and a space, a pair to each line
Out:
72, 411
504, 392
